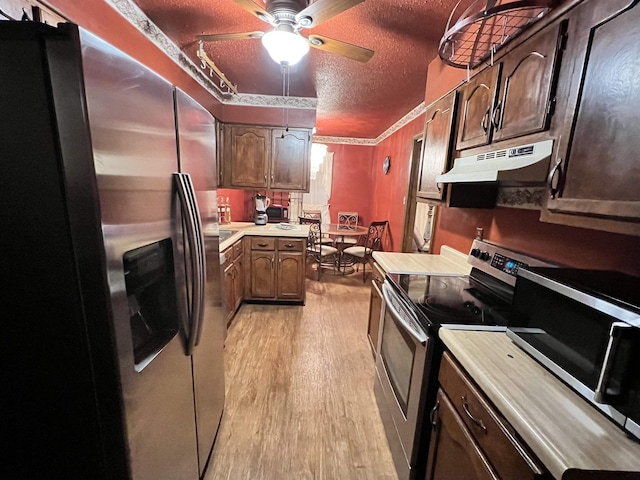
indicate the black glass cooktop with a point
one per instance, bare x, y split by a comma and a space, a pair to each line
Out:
452, 301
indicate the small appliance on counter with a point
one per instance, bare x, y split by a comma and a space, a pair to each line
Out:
262, 203
278, 213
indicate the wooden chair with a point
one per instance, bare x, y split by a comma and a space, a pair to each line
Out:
315, 248
373, 242
347, 220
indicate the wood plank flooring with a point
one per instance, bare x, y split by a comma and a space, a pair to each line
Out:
300, 402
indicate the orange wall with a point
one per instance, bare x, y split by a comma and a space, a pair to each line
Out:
352, 181
521, 229
390, 190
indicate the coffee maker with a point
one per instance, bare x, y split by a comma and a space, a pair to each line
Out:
262, 202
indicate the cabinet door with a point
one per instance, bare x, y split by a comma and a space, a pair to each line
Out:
290, 159
453, 454
248, 156
436, 146
528, 86
238, 282
263, 277
229, 295
597, 169
478, 97
290, 276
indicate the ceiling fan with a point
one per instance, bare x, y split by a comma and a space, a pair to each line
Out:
284, 43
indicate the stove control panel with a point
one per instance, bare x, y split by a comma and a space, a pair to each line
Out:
500, 261
506, 264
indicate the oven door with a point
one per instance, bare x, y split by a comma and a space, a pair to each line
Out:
405, 350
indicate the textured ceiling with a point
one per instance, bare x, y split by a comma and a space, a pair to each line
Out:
354, 99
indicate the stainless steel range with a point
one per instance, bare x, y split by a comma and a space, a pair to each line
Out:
415, 307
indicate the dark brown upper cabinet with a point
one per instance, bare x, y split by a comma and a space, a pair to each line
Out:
596, 169
289, 159
516, 96
478, 100
436, 146
245, 161
256, 157
527, 93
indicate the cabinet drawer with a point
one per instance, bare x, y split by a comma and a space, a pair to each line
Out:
263, 243
290, 244
491, 431
237, 249
226, 258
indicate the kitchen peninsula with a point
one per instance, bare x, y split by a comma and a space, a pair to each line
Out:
263, 263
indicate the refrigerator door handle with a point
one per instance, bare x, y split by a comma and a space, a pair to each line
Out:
185, 194
202, 271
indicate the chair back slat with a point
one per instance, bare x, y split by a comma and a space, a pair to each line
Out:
315, 230
373, 242
348, 220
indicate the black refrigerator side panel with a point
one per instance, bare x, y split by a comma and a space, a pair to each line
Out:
54, 332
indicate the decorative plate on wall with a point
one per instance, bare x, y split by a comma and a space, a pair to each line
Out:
386, 164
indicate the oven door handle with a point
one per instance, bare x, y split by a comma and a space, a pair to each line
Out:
419, 335
616, 332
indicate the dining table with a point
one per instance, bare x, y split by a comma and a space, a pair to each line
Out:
339, 232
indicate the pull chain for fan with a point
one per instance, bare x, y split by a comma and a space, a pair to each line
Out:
285, 93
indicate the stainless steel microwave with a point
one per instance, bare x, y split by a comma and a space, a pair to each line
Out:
584, 326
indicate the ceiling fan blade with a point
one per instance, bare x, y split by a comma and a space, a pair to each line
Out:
322, 10
216, 37
255, 9
344, 49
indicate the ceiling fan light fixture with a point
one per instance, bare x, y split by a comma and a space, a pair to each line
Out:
285, 47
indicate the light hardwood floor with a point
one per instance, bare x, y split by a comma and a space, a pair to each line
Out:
300, 402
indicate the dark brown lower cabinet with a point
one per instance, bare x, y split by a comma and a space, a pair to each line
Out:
470, 439
276, 269
453, 452
233, 274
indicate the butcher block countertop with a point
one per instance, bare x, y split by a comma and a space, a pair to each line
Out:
248, 228
568, 435
449, 262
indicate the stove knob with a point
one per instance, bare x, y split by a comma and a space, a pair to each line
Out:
485, 256
475, 252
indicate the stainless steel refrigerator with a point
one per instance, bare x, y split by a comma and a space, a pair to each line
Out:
111, 330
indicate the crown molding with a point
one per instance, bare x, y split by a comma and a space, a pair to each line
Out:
372, 142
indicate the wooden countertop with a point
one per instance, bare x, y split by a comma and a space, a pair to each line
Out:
248, 228
570, 437
449, 262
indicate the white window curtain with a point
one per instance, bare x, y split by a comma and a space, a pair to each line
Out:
320, 190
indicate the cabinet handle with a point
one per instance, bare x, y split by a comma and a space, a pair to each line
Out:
272, 260
262, 244
465, 407
289, 245
495, 118
272, 178
265, 178
432, 416
555, 179
483, 122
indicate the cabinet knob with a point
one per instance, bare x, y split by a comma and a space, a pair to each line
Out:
289, 245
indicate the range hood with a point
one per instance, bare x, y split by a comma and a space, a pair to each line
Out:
516, 165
